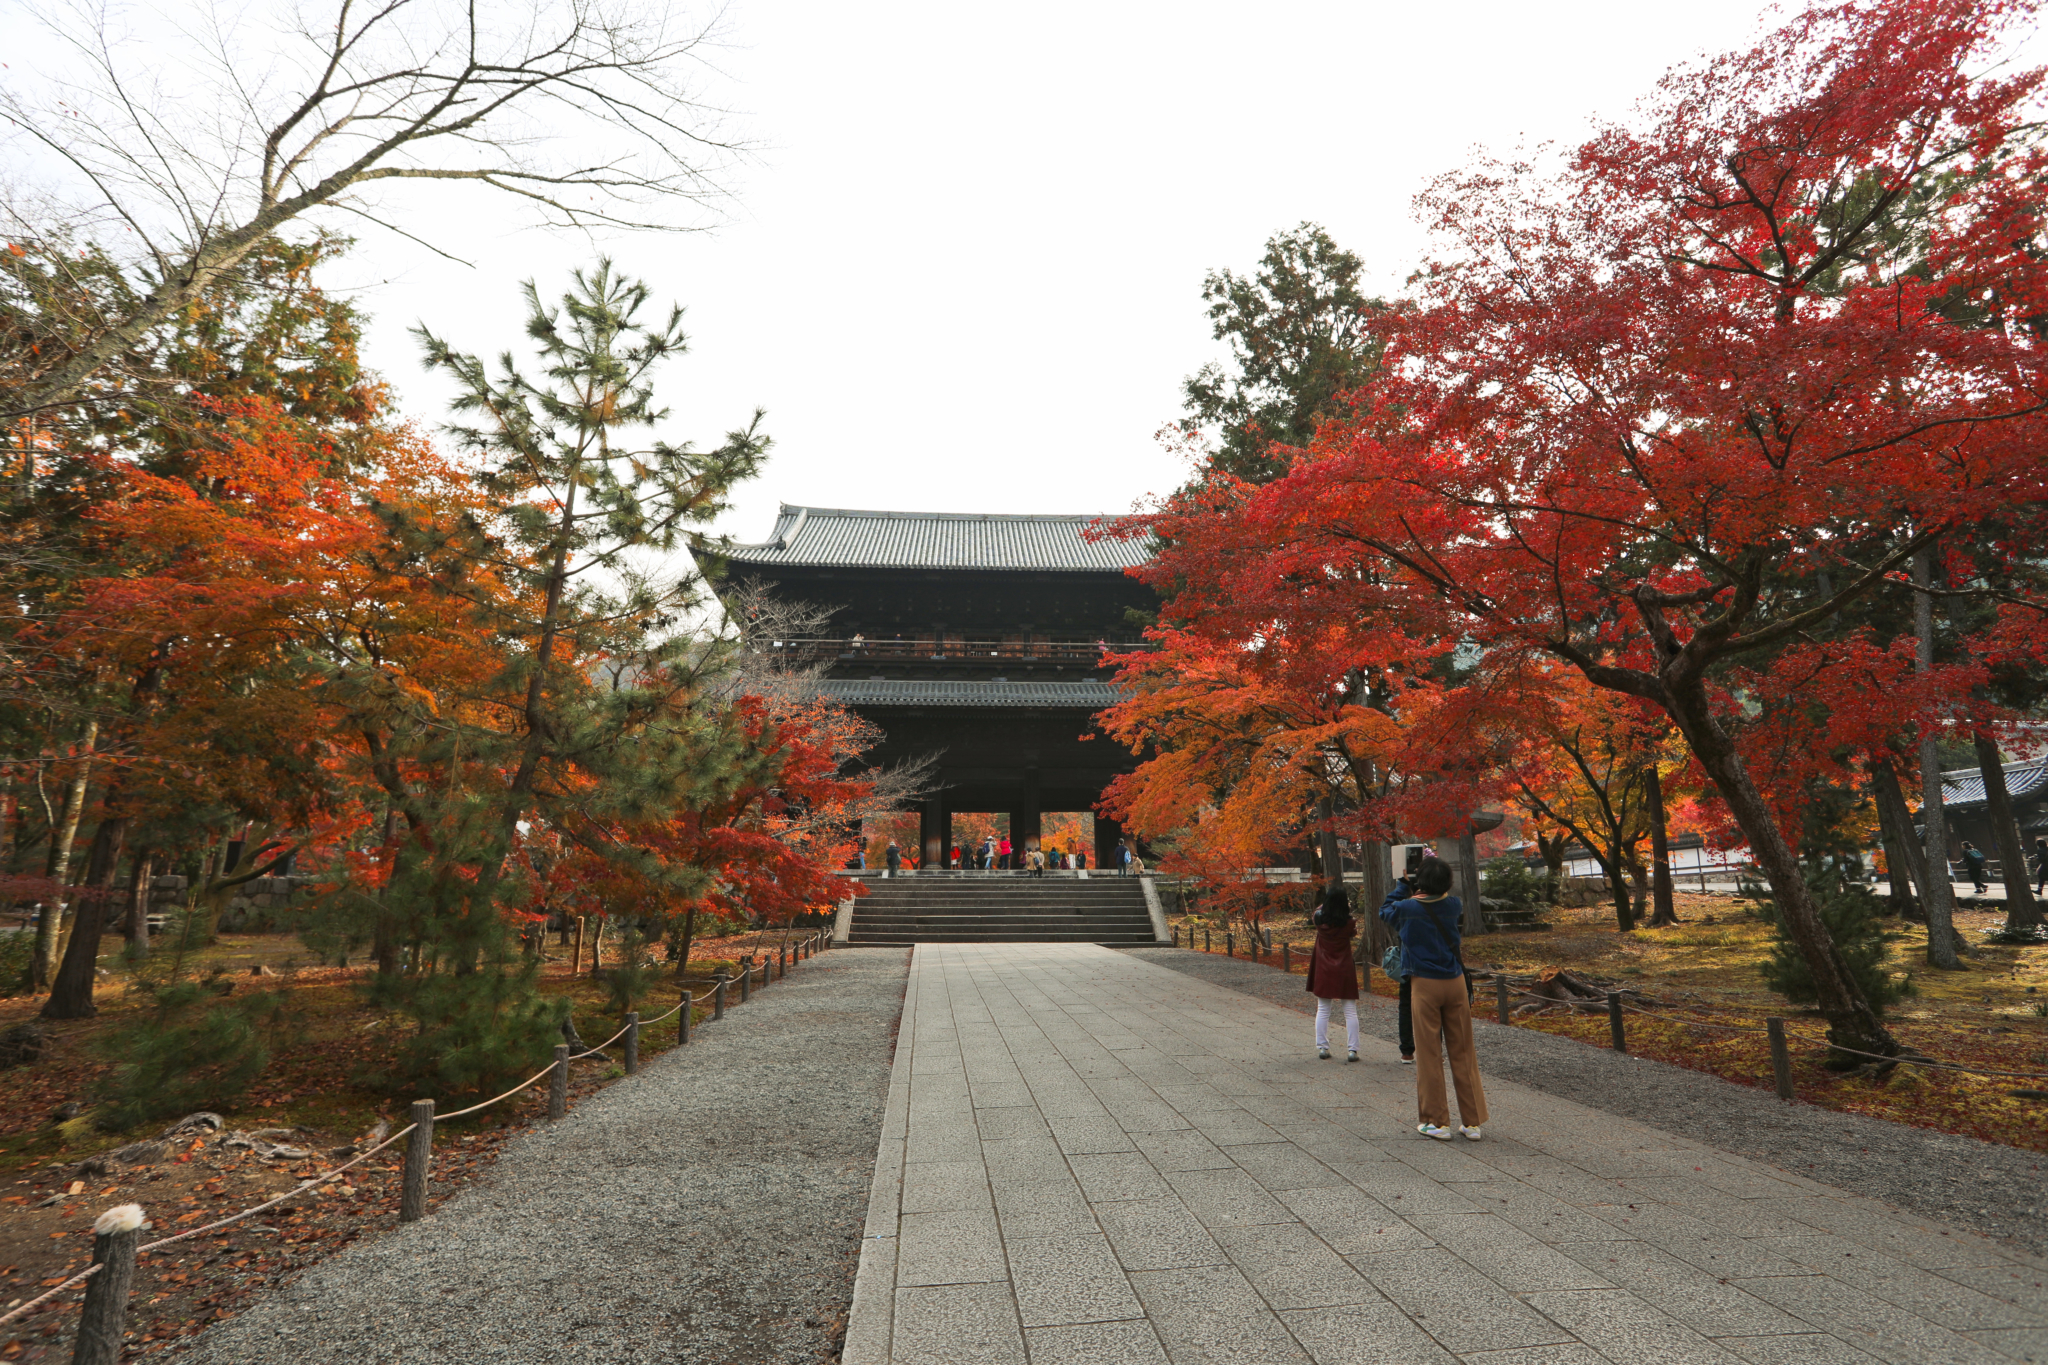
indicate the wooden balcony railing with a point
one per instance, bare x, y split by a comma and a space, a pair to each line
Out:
1041, 648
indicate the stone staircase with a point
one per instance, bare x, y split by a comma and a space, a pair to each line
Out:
1001, 907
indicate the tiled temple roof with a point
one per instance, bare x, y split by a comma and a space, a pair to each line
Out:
833, 537
1964, 788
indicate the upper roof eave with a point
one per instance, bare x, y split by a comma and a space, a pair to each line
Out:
1002, 542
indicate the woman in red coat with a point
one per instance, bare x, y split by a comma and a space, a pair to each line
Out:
1332, 975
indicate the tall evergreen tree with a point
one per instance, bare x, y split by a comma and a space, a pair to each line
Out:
1301, 336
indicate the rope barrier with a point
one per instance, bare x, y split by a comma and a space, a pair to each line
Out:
325, 1176
298, 1189
1671, 1016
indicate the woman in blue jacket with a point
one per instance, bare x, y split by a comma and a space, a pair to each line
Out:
1426, 917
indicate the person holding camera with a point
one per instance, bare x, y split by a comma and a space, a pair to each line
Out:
1333, 973
1426, 917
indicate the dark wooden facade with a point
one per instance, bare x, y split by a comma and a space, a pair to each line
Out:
974, 638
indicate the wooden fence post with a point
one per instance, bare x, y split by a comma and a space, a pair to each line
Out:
419, 1157
558, 1084
1615, 1032
1500, 996
1176, 936
1286, 957
115, 1235
1781, 1058
746, 977
1229, 944
1205, 938
632, 1041
718, 998
683, 1027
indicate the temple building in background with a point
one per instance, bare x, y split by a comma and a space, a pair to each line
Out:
977, 638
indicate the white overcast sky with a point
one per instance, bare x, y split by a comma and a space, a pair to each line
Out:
962, 271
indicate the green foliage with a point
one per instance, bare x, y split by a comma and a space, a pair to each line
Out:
1301, 336
1508, 878
1855, 920
634, 975
15, 951
195, 1048
475, 1032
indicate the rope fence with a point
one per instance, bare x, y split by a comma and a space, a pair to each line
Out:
109, 1280
1616, 1006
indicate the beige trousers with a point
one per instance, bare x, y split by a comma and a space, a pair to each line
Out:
1442, 1010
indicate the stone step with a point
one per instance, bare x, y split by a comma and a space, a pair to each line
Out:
861, 940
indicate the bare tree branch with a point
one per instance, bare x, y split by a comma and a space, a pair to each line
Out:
388, 92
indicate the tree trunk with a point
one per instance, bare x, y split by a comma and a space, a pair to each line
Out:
138, 902
50, 924
1372, 892
597, 944
1639, 883
1937, 894
1468, 877
1662, 909
71, 992
1553, 861
384, 938
681, 952
2020, 909
1617, 886
1852, 1021
1903, 868
1326, 836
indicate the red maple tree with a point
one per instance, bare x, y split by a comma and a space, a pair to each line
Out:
1670, 408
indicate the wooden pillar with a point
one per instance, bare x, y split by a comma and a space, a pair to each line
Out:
928, 821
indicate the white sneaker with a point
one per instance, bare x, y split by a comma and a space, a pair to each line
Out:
1432, 1130
1323, 1053
1353, 1057
1407, 1060
1471, 1134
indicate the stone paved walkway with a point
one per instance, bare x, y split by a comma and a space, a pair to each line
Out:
1089, 1158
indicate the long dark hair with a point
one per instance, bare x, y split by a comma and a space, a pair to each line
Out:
1335, 909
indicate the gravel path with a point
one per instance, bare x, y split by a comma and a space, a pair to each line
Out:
707, 1210
1995, 1190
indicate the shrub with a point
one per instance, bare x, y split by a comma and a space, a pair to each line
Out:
193, 1049
1854, 919
1508, 878
475, 1032
17, 949
634, 975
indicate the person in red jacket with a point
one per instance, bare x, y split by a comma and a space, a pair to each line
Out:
1332, 974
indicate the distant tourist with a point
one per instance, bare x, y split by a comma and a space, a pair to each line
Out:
1036, 859
860, 642
1003, 854
988, 852
1426, 917
1333, 973
1973, 862
1123, 859
892, 857
956, 860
